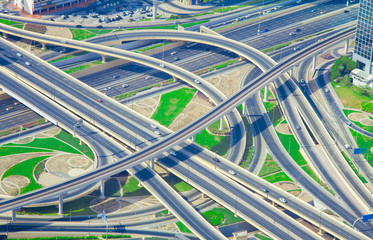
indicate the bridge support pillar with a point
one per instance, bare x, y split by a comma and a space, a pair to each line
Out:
80, 142
240, 58
314, 62
346, 46
14, 215
103, 58
244, 108
193, 138
5, 35
43, 46
291, 72
60, 204
265, 94
234, 236
221, 127
102, 189
154, 10
152, 163
204, 195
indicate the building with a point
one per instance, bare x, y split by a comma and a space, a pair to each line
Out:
43, 6
361, 78
363, 51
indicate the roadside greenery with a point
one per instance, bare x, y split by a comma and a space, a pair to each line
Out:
364, 142
366, 128
278, 177
182, 227
217, 144
342, 66
172, 104
262, 237
351, 96
222, 65
363, 180
82, 67
115, 236
270, 166
134, 92
55, 238
152, 47
75, 142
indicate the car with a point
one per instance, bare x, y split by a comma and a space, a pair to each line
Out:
27, 63
196, 81
266, 30
115, 76
297, 126
173, 53
298, 29
63, 50
322, 12
313, 10
154, 126
292, 33
106, 89
78, 26
9, 108
346, 11
157, 132
264, 189
148, 77
99, 100
100, 26
125, 85
215, 159
19, 54
63, 41
327, 90
299, 1
52, 19
296, 48
302, 81
176, 58
348, 123
16, 103
232, 172
172, 153
283, 200
161, 65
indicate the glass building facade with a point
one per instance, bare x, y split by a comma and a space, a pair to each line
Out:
363, 50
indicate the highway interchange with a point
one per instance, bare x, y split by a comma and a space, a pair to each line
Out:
123, 136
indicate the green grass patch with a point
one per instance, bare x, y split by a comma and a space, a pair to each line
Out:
270, 166
81, 34
10, 150
271, 49
115, 236
82, 67
172, 27
182, 227
112, 188
26, 168
368, 107
278, 177
262, 237
100, 31
222, 65
62, 58
134, 92
55, 238
217, 144
20, 26
9, 22
214, 128
79, 207
311, 173
364, 142
172, 104
366, 128
178, 184
291, 145
229, 217
249, 149
214, 217
362, 179
350, 96
132, 188
75, 142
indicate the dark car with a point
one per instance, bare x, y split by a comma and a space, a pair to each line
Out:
298, 30
79, 26
266, 30
216, 160
100, 26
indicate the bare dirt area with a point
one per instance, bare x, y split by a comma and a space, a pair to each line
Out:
146, 107
168, 227
367, 122
68, 165
17, 180
47, 179
59, 32
24, 140
50, 133
198, 106
284, 129
357, 117
134, 203
229, 82
286, 185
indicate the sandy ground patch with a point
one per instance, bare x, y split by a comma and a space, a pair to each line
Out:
367, 122
198, 106
305, 197
17, 180
59, 32
50, 133
59, 165
47, 179
24, 140
357, 116
229, 82
146, 107
7, 189
286, 185
168, 227
108, 205
133, 203
284, 129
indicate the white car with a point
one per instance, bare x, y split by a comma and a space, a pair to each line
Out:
19, 54
63, 41
283, 200
148, 77
196, 81
154, 126
173, 53
172, 153
157, 132
161, 65
27, 63
292, 33
232, 172
327, 90
125, 85
297, 127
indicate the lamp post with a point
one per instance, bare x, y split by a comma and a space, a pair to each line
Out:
80, 121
